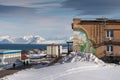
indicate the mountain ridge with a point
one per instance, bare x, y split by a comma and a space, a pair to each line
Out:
29, 39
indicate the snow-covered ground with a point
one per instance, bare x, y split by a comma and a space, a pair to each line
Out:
8, 66
75, 70
81, 57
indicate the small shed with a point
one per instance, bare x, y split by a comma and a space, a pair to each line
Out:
54, 50
9, 56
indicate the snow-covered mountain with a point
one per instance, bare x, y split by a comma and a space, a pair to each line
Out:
28, 40
6, 40
54, 41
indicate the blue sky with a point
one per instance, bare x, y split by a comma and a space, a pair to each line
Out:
51, 19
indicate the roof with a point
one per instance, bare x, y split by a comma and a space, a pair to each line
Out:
98, 21
23, 57
9, 51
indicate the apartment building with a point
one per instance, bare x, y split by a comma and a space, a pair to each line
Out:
54, 50
102, 34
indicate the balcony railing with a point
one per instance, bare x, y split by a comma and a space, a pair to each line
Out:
107, 41
112, 41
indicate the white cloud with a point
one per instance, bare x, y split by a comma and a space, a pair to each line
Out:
47, 26
35, 22
23, 3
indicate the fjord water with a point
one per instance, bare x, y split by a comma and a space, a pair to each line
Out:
25, 46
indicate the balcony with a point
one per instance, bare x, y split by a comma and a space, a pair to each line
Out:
108, 41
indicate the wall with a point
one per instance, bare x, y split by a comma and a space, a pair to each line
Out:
54, 51
11, 58
96, 33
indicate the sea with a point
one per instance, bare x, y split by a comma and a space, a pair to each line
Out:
25, 46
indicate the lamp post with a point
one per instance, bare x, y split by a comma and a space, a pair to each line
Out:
70, 46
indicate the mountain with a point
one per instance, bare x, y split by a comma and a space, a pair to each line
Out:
36, 40
28, 40
6, 40
54, 42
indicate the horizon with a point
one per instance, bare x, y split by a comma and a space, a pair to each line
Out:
51, 19
32, 36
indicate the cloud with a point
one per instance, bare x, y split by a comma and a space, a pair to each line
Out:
47, 26
22, 3
29, 3
35, 17
27, 8
93, 7
15, 11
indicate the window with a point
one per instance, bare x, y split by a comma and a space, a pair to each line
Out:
109, 33
109, 48
0, 60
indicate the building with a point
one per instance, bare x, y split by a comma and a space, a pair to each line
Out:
101, 36
9, 56
54, 50
25, 59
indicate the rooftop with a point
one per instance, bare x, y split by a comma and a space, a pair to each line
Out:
9, 51
97, 20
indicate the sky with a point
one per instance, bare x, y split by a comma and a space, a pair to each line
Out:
51, 19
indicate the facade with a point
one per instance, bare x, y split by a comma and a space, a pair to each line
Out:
9, 56
101, 36
54, 50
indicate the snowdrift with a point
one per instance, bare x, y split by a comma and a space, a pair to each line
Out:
86, 57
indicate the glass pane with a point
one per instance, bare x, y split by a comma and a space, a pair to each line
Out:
111, 33
107, 33
111, 48
107, 48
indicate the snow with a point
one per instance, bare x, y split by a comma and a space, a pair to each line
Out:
8, 66
28, 39
74, 67
36, 55
69, 71
81, 57
53, 42
6, 39
65, 50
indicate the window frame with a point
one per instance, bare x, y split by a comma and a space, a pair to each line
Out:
110, 48
110, 33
